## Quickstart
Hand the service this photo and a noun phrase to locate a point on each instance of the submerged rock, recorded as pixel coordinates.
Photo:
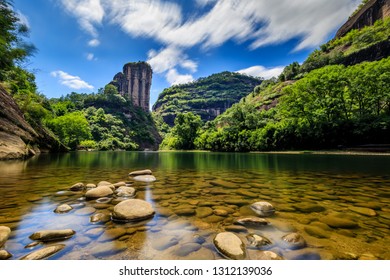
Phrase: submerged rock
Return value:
(203, 212)
(187, 249)
(230, 246)
(164, 242)
(63, 208)
(236, 228)
(77, 187)
(141, 172)
(100, 218)
(337, 222)
(251, 221)
(363, 211)
(125, 191)
(132, 210)
(258, 241)
(145, 178)
(263, 208)
(98, 192)
(293, 241)
(5, 255)
(44, 252)
(50, 235)
(264, 255)
(108, 248)
(4, 234)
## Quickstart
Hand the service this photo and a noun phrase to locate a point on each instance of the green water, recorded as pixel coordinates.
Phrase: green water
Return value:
(188, 196)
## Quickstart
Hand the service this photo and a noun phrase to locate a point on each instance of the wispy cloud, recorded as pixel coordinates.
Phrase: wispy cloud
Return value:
(255, 22)
(91, 57)
(174, 78)
(73, 82)
(262, 72)
(94, 43)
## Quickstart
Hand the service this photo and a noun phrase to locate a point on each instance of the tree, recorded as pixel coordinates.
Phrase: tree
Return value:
(71, 128)
(110, 90)
(183, 134)
(13, 49)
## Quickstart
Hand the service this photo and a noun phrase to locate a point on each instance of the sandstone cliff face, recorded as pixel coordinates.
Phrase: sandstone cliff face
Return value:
(368, 14)
(18, 139)
(134, 83)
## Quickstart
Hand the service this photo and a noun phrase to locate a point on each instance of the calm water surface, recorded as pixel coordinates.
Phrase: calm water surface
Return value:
(197, 195)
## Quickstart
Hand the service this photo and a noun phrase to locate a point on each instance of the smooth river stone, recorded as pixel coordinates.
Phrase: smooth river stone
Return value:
(108, 249)
(133, 210)
(112, 234)
(5, 255)
(141, 172)
(258, 241)
(251, 221)
(230, 246)
(236, 228)
(145, 178)
(317, 232)
(337, 222)
(293, 241)
(104, 183)
(77, 187)
(184, 211)
(49, 235)
(220, 212)
(306, 207)
(100, 218)
(125, 191)
(4, 234)
(223, 183)
(264, 255)
(120, 184)
(263, 208)
(164, 242)
(186, 249)
(85, 211)
(202, 212)
(63, 208)
(247, 193)
(91, 186)
(98, 192)
(363, 211)
(44, 252)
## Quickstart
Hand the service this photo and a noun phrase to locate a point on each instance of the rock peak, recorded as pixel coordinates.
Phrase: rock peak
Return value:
(135, 82)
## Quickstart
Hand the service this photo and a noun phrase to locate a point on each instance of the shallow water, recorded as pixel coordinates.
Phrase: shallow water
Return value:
(197, 195)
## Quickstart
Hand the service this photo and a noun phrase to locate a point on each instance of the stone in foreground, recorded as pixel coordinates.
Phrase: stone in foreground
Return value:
(50, 235)
(141, 172)
(77, 187)
(230, 246)
(263, 208)
(258, 241)
(125, 192)
(5, 255)
(145, 178)
(63, 208)
(4, 235)
(44, 252)
(99, 192)
(251, 221)
(132, 210)
(293, 241)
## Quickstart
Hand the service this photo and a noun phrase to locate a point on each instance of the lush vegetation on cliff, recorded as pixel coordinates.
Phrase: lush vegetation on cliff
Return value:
(104, 121)
(331, 107)
(206, 97)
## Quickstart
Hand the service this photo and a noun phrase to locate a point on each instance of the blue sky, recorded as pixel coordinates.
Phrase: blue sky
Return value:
(82, 44)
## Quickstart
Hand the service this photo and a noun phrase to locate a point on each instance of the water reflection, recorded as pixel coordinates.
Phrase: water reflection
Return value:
(198, 195)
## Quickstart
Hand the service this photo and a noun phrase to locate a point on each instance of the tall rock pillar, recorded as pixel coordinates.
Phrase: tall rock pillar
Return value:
(135, 83)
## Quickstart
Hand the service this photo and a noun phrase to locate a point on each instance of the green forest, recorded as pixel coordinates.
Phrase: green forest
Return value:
(320, 104)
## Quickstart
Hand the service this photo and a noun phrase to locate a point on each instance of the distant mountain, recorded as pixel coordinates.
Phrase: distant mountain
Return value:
(206, 97)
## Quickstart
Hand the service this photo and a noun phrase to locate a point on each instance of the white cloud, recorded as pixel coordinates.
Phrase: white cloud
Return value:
(94, 43)
(88, 13)
(255, 22)
(169, 58)
(73, 82)
(174, 78)
(262, 72)
(90, 56)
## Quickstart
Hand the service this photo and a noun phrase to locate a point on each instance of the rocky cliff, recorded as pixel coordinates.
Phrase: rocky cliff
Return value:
(134, 83)
(372, 11)
(18, 139)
